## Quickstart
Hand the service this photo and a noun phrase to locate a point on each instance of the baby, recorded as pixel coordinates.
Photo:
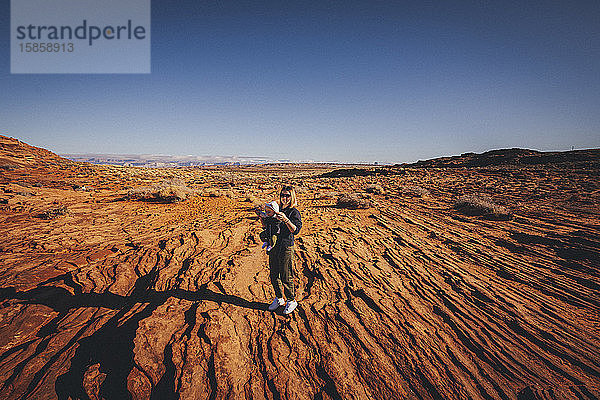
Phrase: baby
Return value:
(271, 225)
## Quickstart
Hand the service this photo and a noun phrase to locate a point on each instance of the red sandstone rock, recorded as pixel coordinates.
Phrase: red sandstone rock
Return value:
(407, 299)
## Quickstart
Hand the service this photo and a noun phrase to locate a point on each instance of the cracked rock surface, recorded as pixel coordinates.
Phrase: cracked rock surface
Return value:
(110, 298)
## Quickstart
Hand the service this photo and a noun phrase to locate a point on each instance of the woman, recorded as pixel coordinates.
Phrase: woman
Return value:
(281, 257)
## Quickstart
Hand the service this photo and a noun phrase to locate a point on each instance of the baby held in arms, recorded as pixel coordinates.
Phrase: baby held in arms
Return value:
(270, 224)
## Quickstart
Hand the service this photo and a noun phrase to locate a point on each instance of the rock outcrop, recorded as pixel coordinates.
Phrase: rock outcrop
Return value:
(116, 298)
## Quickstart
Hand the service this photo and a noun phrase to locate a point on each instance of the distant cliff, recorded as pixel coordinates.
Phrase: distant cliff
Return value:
(515, 156)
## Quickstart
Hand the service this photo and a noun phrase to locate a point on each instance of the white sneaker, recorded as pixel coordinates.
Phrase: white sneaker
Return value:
(290, 306)
(276, 304)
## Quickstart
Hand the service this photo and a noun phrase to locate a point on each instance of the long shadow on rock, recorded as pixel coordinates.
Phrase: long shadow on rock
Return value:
(61, 300)
(112, 345)
(206, 294)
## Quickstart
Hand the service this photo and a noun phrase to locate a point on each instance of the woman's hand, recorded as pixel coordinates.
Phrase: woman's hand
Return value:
(281, 217)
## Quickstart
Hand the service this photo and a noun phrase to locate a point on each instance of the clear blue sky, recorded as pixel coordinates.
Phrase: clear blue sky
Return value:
(329, 80)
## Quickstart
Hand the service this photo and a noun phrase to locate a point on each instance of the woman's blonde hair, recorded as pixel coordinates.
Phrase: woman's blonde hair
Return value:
(293, 199)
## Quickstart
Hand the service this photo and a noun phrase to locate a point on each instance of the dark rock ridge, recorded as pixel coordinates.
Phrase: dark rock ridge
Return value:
(513, 157)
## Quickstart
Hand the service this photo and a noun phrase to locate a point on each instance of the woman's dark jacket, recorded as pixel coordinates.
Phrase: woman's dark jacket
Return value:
(285, 237)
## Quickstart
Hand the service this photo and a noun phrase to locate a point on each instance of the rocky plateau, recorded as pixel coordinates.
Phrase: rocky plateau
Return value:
(104, 296)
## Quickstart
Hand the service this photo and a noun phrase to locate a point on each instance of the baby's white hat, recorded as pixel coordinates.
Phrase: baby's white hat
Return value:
(273, 205)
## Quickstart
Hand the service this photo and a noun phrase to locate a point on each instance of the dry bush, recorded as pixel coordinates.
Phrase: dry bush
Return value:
(374, 188)
(168, 192)
(352, 201)
(300, 191)
(140, 193)
(213, 193)
(473, 204)
(173, 193)
(53, 212)
(414, 191)
(250, 198)
(325, 195)
(9, 167)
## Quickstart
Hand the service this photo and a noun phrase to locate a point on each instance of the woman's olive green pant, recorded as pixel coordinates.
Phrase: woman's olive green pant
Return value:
(281, 265)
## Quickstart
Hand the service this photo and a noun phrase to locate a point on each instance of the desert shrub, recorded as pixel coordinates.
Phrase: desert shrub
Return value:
(374, 188)
(53, 212)
(325, 195)
(414, 191)
(250, 198)
(173, 193)
(213, 193)
(140, 193)
(168, 192)
(473, 204)
(352, 200)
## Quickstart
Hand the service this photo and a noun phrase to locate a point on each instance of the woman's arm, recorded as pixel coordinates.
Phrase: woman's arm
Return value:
(283, 218)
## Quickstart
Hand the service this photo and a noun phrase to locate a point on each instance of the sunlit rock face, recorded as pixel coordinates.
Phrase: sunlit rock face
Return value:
(104, 295)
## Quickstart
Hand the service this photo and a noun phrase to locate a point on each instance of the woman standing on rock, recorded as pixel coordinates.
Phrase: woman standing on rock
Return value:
(281, 257)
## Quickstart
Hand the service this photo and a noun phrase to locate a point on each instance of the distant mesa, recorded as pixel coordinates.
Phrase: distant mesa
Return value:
(162, 161)
(511, 157)
(516, 157)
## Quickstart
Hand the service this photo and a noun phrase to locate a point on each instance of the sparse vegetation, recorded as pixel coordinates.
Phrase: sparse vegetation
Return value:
(53, 212)
(167, 192)
(414, 191)
(481, 205)
(374, 188)
(325, 195)
(9, 167)
(352, 201)
(213, 193)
